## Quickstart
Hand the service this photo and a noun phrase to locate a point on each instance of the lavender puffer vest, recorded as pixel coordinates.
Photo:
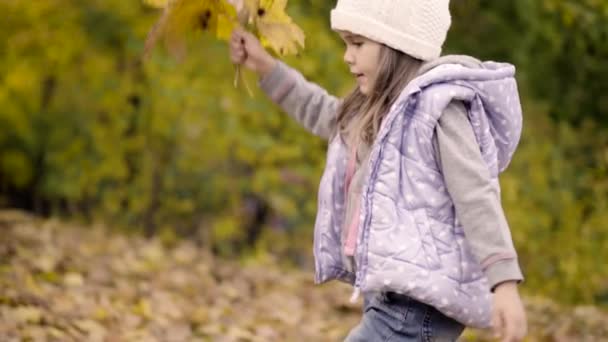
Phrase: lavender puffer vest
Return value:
(409, 240)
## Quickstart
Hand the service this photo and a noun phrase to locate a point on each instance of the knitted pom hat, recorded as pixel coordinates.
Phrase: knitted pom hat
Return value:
(415, 27)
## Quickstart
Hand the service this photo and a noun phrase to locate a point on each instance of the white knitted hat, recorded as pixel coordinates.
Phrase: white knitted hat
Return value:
(416, 27)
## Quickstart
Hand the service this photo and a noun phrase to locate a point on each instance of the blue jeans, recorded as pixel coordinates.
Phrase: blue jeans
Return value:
(389, 316)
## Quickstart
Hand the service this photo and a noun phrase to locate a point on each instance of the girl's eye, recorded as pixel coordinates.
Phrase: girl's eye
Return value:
(357, 44)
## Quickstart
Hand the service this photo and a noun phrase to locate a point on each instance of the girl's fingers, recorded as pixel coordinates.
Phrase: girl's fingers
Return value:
(235, 40)
(238, 57)
(234, 37)
(239, 35)
(497, 326)
(511, 332)
(239, 42)
(241, 56)
(235, 45)
(246, 38)
(236, 54)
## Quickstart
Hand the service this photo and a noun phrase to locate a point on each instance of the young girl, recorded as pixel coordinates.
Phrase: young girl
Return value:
(409, 207)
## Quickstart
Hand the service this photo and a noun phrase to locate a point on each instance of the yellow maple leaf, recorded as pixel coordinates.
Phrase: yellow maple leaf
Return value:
(181, 17)
(274, 27)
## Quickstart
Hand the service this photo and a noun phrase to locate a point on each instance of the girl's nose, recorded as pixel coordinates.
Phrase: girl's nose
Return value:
(348, 57)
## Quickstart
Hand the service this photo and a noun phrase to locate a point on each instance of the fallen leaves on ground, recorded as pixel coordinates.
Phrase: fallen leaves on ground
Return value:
(62, 282)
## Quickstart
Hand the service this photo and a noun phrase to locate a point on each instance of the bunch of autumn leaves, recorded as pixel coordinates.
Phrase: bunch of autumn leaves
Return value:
(264, 18)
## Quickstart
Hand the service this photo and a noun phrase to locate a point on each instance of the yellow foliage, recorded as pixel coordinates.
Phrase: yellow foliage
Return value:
(181, 17)
(156, 3)
(267, 18)
(276, 29)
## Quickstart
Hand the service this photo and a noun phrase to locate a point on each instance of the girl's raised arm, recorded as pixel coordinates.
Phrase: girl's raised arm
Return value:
(305, 101)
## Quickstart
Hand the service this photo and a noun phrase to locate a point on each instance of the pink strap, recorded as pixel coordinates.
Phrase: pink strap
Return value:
(353, 228)
(350, 170)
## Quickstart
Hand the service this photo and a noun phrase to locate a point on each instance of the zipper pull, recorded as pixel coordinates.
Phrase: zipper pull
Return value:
(356, 293)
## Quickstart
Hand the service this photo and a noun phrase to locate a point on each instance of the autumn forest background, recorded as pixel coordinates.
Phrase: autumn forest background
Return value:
(120, 175)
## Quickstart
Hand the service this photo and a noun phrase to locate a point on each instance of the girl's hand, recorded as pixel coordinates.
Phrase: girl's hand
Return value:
(246, 49)
(509, 318)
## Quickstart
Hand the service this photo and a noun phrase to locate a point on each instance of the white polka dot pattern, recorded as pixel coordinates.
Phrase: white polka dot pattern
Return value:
(409, 239)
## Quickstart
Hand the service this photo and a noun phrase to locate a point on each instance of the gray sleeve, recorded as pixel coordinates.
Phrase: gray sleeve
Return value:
(476, 197)
(305, 101)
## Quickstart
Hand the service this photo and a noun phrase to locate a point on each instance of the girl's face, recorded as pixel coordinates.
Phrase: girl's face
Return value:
(362, 57)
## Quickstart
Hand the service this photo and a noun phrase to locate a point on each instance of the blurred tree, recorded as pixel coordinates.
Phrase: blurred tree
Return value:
(88, 129)
(559, 46)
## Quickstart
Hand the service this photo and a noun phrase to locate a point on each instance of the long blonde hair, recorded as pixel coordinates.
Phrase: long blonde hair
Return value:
(360, 116)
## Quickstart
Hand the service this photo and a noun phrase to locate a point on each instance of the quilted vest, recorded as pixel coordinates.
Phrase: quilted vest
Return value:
(409, 239)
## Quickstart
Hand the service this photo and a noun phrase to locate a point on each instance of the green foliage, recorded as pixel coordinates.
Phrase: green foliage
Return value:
(557, 206)
(559, 46)
(87, 128)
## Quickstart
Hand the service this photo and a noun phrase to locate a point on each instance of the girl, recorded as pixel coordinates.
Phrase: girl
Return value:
(409, 207)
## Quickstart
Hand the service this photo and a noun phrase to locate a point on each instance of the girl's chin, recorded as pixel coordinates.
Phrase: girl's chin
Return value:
(363, 87)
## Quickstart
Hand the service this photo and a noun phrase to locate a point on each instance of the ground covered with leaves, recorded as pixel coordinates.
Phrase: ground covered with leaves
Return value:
(63, 282)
